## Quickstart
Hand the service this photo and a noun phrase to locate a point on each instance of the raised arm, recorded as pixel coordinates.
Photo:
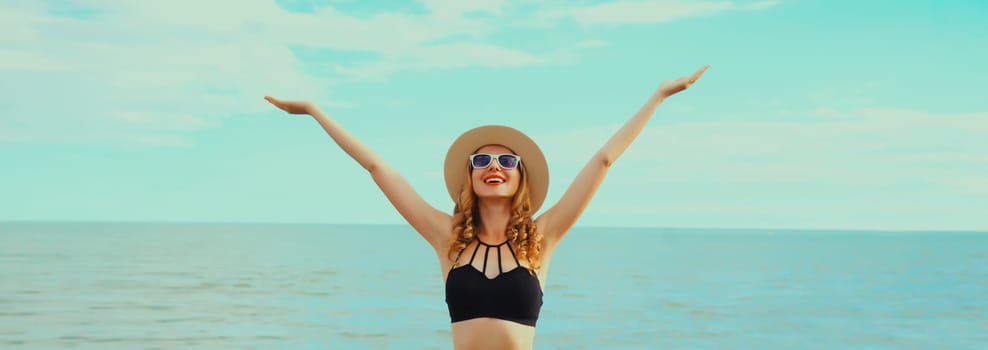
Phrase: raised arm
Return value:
(557, 220)
(433, 224)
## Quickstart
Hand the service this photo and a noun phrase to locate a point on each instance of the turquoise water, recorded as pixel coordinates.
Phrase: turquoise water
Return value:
(215, 286)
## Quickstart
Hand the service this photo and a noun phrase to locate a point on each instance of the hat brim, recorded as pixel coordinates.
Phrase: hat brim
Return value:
(457, 162)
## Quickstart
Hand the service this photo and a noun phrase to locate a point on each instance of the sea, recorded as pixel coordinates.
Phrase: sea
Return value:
(321, 286)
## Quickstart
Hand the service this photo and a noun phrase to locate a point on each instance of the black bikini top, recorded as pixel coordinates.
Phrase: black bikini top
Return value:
(515, 295)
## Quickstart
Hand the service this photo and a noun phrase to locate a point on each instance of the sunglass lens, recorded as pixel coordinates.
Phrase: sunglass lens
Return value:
(508, 161)
(481, 161)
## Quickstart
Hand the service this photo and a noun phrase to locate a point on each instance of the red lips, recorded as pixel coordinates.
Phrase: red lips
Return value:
(498, 177)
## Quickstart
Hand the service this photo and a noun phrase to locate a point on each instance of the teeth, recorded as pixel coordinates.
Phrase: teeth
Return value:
(494, 180)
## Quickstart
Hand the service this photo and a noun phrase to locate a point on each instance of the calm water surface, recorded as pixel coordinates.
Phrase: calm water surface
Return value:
(252, 286)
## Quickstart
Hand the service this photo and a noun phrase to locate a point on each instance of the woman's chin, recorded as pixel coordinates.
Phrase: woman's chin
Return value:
(494, 195)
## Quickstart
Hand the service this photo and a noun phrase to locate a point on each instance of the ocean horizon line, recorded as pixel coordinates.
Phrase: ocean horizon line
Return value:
(764, 229)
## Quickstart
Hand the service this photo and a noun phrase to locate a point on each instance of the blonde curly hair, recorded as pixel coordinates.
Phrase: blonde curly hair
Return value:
(522, 232)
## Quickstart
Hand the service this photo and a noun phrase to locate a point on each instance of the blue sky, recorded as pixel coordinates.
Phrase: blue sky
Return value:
(814, 114)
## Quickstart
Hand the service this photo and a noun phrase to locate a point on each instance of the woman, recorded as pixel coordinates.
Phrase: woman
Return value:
(494, 256)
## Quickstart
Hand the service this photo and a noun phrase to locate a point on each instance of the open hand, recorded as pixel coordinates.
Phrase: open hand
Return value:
(293, 107)
(671, 87)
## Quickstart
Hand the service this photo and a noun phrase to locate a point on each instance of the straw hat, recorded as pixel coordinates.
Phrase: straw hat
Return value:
(457, 162)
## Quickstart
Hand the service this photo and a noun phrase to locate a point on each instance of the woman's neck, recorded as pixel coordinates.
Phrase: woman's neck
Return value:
(494, 217)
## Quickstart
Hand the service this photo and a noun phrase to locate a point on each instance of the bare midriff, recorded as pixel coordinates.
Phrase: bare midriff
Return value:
(490, 333)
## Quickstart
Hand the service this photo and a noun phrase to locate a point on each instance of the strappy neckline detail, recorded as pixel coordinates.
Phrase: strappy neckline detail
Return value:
(487, 251)
(491, 245)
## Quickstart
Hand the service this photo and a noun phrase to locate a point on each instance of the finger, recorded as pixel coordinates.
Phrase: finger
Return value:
(699, 73)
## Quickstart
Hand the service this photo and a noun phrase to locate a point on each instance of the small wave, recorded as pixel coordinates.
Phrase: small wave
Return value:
(870, 339)
(159, 307)
(355, 335)
(556, 287)
(710, 335)
(140, 340)
(426, 292)
(705, 313)
(12, 332)
(18, 313)
(169, 273)
(175, 320)
(269, 337)
(317, 294)
(326, 272)
(388, 311)
(675, 304)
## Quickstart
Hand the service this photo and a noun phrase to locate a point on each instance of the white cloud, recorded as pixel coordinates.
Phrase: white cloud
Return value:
(645, 11)
(183, 61)
(880, 167)
(974, 185)
(142, 59)
(590, 44)
(864, 147)
(160, 121)
(179, 66)
(545, 14)
(29, 61)
(446, 56)
(457, 9)
(763, 4)
(19, 21)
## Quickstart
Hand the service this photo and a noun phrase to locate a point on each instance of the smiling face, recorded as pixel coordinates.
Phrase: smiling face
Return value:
(495, 181)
